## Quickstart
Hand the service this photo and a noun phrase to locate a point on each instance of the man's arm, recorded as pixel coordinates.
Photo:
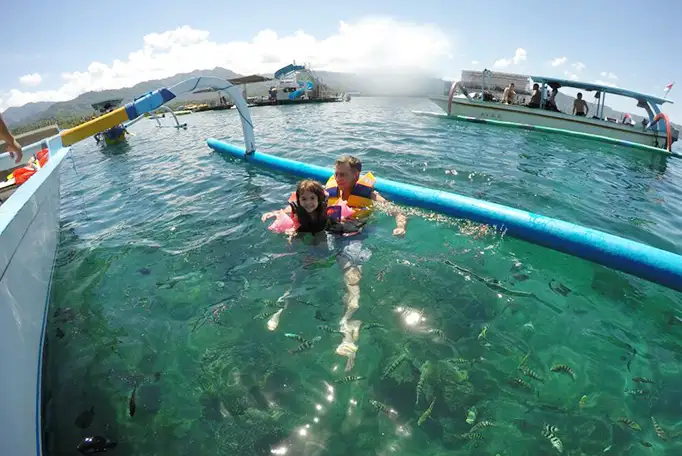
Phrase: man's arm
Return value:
(574, 102)
(400, 218)
(13, 146)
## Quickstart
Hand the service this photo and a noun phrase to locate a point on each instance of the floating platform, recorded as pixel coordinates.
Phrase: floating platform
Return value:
(213, 108)
(296, 101)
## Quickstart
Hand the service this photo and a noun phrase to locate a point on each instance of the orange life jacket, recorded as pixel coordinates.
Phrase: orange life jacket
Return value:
(360, 197)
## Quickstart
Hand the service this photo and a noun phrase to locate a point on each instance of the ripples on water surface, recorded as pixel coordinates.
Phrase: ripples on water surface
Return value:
(163, 264)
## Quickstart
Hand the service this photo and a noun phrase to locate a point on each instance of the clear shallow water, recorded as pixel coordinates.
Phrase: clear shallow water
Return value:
(163, 264)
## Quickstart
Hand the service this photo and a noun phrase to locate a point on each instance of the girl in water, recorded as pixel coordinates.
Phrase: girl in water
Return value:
(307, 212)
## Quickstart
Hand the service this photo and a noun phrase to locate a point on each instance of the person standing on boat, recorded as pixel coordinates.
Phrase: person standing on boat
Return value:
(580, 106)
(11, 144)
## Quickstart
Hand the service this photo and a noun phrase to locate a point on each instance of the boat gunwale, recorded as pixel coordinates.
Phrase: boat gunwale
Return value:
(549, 114)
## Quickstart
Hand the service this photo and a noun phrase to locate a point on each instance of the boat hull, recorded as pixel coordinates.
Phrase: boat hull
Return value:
(557, 120)
(29, 233)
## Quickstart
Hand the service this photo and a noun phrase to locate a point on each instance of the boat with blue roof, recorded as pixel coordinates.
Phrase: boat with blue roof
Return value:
(655, 132)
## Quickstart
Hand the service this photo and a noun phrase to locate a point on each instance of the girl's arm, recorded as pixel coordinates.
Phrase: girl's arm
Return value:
(271, 214)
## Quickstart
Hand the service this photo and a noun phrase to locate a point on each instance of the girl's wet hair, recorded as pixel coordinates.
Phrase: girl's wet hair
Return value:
(308, 225)
(309, 185)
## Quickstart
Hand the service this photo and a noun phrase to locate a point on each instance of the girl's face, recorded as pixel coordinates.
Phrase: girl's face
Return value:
(308, 201)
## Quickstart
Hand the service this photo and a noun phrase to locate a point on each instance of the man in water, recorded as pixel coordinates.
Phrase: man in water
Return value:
(358, 192)
(580, 106)
(346, 176)
(13, 147)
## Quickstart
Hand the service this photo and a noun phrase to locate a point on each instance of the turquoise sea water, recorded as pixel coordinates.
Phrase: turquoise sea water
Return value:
(164, 263)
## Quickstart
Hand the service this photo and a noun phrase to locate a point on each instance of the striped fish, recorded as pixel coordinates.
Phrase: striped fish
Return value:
(296, 337)
(328, 329)
(472, 436)
(549, 432)
(565, 369)
(383, 408)
(642, 380)
(629, 423)
(530, 373)
(659, 432)
(349, 379)
(427, 413)
(437, 332)
(373, 325)
(305, 345)
(264, 315)
(423, 377)
(394, 365)
(458, 361)
(520, 383)
(481, 425)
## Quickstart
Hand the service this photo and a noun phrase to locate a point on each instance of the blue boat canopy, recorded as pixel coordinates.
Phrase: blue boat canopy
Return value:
(556, 83)
(288, 69)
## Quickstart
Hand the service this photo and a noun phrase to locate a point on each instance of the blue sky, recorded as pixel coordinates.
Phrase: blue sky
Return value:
(607, 41)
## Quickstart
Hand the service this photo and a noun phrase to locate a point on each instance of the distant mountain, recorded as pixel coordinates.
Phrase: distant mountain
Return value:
(82, 105)
(18, 115)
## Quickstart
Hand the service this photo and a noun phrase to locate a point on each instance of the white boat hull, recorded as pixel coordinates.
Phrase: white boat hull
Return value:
(529, 116)
(29, 233)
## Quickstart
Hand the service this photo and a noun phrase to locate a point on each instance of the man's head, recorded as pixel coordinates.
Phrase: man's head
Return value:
(580, 96)
(347, 171)
(535, 86)
(511, 86)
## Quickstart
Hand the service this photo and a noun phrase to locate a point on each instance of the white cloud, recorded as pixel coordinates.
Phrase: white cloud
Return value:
(578, 66)
(608, 75)
(570, 75)
(559, 61)
(31, 80)
(475, 62)
(605, 83)
(519, 56)
(375, 43)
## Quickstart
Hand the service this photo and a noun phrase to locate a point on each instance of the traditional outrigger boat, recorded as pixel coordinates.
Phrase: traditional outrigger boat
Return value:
(29, 233)
(656, 134)
(117, 133)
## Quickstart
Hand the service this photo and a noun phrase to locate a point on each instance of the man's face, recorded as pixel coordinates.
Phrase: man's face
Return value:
(345, 175)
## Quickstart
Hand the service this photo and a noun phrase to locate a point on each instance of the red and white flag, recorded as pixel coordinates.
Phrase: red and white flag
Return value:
(668, 87)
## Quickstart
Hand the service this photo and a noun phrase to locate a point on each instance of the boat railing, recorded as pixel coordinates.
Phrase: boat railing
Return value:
(668, 129)
(457, 85)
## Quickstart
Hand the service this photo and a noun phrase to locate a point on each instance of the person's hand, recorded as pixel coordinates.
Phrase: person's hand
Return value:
(14, 149)
(399, 231)
(268, 215)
